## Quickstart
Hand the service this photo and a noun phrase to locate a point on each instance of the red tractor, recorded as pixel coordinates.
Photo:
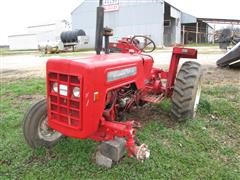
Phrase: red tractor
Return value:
(87, 98)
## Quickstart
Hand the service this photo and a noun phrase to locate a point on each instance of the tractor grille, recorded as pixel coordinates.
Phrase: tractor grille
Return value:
(65, 109)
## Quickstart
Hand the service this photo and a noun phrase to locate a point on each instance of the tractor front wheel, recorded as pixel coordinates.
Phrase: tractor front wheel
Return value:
(186, 92)
(36, 131)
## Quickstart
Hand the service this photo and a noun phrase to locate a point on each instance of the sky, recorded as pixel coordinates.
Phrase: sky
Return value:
(16, 15)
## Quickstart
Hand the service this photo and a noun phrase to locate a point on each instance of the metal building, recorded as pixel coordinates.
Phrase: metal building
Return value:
(154, 18)
(195, 30)
(22, 41)
(36, 35)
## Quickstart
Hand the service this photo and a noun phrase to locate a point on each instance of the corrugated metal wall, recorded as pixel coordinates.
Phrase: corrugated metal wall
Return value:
(172, 29)
(22, 42)
(37, 35)
(133, 17)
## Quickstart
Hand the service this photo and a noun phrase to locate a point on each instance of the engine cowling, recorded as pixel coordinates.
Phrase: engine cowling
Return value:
(77, 88)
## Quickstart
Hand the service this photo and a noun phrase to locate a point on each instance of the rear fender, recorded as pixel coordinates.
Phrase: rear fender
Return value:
(185, 52)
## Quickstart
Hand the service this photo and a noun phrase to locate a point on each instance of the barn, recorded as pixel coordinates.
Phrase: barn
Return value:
(154, 18)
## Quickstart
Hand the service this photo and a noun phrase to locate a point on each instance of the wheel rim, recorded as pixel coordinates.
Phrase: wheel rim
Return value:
(197, 99)
(45, 132)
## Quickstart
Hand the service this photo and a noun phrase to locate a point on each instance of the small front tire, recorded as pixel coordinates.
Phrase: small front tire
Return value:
(36, 131)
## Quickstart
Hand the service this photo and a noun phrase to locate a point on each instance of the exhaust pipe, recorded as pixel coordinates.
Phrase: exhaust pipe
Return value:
(99, 28)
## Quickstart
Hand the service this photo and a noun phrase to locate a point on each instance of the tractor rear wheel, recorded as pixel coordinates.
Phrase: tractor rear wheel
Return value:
(36, 131)
(186, 92)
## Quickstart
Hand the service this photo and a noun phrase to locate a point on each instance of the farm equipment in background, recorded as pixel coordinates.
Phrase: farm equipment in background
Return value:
(88, 98)
(231, 58)
(227, 38)
(138, 43)
(66, 41)
(74, 39)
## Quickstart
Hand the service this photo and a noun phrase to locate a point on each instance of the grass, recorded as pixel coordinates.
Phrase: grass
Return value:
(7, 52)
(204, 148)
(85, 52)
(201, 45)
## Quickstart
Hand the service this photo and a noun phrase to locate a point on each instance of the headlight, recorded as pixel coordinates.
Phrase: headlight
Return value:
(76, 92)
(55, 87)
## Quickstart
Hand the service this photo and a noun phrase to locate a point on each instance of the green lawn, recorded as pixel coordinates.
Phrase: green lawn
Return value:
(7, 52)
(84, 52)
(202, 45)
(205, 148)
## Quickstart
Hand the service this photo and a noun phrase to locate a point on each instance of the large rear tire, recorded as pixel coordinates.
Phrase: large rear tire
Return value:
(186, 92)
(36, 131)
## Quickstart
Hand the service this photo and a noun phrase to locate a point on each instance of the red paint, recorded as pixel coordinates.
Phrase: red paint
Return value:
(125, 45)
(89, 115)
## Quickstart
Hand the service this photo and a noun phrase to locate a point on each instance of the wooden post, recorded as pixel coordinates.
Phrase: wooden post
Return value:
(214, 31)
(232, 29)
(183, 40)
(196, 32)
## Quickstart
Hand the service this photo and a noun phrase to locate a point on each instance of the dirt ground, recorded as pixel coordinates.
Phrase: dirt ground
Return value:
(22, 66)
(217, 76)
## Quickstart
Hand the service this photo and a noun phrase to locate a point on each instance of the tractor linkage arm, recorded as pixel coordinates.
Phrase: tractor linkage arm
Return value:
(108, 130)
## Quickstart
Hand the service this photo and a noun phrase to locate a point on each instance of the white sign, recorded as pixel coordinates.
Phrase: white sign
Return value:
(111, 5)
(63, 90)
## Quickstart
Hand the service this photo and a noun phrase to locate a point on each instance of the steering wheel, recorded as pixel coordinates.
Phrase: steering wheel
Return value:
(147, 43)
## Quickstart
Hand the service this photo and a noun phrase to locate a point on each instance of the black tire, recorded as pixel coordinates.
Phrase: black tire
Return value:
(186, 92)
(34, 123)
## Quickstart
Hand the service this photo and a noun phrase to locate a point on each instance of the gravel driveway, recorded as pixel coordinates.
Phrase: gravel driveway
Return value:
(17, 66)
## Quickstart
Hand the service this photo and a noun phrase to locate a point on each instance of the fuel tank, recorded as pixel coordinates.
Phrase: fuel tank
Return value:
(90, 78)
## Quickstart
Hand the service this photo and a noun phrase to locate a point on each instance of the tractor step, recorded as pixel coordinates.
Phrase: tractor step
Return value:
(152, 98)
